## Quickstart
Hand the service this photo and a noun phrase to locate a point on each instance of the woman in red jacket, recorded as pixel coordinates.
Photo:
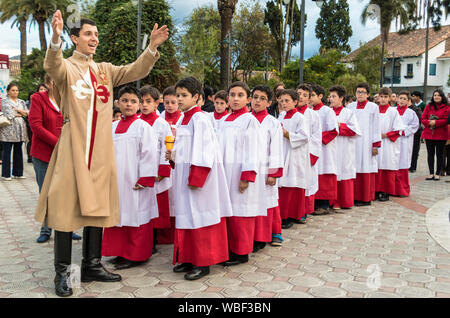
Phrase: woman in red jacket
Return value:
(46, 122)
(435, 133)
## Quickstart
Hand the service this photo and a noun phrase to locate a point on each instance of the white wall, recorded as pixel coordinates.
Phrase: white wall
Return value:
(4, 81)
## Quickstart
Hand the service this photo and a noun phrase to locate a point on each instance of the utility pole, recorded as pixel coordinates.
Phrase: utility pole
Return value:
(302, 44)
(139, 41)
(425, 78)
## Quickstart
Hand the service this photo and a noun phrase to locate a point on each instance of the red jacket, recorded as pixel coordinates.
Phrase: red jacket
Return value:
(46, 123)
(440, 132)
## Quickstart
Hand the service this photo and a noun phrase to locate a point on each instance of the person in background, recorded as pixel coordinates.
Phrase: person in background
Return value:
(117, 114)
(349, 99)
(393, 100)
(435, 132)
(274, 108)
(160, 108)
(13, 135)
(417, 106)
(46, 122)
(209, 100)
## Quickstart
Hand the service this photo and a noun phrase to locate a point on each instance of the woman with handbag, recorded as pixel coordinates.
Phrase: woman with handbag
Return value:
(13, 135)
(435, 132)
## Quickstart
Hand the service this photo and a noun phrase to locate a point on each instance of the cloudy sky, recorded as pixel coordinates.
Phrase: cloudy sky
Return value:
(181, 9)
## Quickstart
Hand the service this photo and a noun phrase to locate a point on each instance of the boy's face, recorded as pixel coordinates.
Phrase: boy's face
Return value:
(303, 97)
(335, 100)
(238, 98)
(117, 116)
(220, 105)
(361, 94)
(315, 99)
(148, 105)
(287, 103)
(260, 101)
(185, 99)
(170, 103)
(402, 100)
(128, 104)
(394, 98)
(201, 101)
(383, 99)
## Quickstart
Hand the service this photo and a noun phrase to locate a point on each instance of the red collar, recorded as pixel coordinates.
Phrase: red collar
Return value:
(401, 109)
(361, 105)
(318, 106)
(302, 109)
(383, 108)
(218, 116)
(236, 113)
(172, 118)
(261, 115)
(290, 113)
(125, 123)
(338, 110)
(188, 114)
(150, 118)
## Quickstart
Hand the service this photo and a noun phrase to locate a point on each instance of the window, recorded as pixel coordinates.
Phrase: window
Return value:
(432, 69)
(409, 71)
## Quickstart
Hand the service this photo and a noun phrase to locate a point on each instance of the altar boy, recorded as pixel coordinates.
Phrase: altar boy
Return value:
(135, 144)
(201, 196)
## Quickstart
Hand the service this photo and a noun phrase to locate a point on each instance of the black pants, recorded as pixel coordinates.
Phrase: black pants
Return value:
(17, 164)
(446, 166)
(415, 152)
(435, 148)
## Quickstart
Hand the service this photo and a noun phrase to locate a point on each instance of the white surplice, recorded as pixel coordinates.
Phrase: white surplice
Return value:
(136, 157)
(326, 163)
(411, 123)
(389, 153)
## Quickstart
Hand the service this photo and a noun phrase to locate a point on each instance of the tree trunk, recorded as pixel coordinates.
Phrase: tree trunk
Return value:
(382, 61)
(42, 40)
(226, 10)
(23, 40)
(289, 48)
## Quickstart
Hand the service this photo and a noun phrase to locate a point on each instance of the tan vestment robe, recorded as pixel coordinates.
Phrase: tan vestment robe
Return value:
(80, 186)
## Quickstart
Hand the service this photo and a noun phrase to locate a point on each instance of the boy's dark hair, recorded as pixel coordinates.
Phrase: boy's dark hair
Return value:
(305, 87)
(365, 86)
(350, 98)
(318, 89)
(116, 110)
(221, 95)
(405, 92)
(417, 93)
(169, 91)
(202, 94)
(291, 92)
(243, 85)
(209, 91)
(79, 25)
(385, 91)
(192, 85)
(129, 90)
(339, 89)
(264, 88)
(150, 90)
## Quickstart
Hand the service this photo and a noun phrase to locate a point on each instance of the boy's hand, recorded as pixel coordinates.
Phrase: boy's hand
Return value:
(193, 187)
(168, 155)
(285, 133)
(374, 151)
(271, 181)
(243, 185)
(160, 178)
(137, 186)
(57, 26)
(383, 135)
(158, 36)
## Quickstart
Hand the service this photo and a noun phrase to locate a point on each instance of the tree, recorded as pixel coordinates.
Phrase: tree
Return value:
(41, 11)
(278, 21)
(32, 73)
(387, 11)
(333, 26)
(350, 82)
(367, 62)
(118, 36)
(9, 9)
(198, 48)
(226, 11)
(252, 38)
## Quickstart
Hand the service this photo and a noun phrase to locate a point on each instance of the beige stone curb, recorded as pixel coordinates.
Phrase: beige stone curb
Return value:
(438, 222)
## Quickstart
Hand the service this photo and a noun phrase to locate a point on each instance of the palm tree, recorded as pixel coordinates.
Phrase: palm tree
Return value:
(388, 11)
(9, 9)
(226, 10)
(41, 11)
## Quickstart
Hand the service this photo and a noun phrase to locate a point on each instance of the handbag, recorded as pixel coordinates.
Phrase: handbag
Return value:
(4, 121)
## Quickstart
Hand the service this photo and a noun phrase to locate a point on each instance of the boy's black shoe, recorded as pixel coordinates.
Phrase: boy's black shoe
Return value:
(127, 264)
(258, 246)
(362, 203)
(236, 260)
(184, 267)
(197, 272)
(286, 224)
(383, 197)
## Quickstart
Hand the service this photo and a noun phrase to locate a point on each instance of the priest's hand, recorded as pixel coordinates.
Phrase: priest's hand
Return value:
(243, 185)
(57, 26)
(374, 151)
(158, 36)
(271, 181)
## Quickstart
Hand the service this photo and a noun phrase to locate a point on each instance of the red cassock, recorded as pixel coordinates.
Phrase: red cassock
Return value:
(292, 203)
(365, 186)
(402, 187)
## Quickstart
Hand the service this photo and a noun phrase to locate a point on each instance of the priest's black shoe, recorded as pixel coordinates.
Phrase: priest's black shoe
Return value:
(183, 267)
(125, 263)
(62, 288)
(63, 253)
(197, 272)
(236, 260)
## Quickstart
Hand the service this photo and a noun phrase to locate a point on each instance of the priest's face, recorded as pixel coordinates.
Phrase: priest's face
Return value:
(87, 42)
(185, 99)
(260, 101)
(238, 98)
(148, 105)
(129, 104)
(335, 100)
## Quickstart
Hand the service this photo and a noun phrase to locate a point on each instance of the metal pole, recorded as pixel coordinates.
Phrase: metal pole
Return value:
(392, 71)
(229, 58)
(425, 79)
(302, 44)
(139, 41)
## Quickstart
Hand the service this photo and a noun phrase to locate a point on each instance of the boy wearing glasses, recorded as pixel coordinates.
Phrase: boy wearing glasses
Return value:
(368, 116)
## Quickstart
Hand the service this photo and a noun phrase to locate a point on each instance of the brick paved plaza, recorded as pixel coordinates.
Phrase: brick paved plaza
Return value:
(399, 248)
